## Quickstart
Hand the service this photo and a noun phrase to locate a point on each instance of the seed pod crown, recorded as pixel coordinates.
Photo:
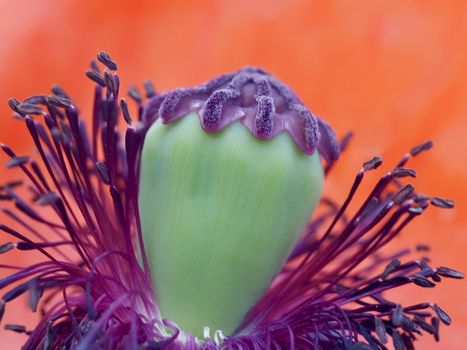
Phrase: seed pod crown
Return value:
(262, 103)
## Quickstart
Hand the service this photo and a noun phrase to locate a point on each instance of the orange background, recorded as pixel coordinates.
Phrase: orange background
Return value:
(395, 73)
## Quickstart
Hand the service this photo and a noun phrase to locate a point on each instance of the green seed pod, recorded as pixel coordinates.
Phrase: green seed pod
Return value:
(225, 194)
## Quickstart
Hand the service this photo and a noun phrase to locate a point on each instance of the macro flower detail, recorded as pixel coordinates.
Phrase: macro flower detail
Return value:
(81, 207)
(230, 203)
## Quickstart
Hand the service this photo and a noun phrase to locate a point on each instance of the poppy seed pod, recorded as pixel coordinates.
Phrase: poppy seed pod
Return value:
(225, 193)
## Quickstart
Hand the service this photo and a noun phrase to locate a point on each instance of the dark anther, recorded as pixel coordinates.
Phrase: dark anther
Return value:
(25, 246)
(14, 104)
(48, 198)
(425, 266)
(344, 142)
(397, 316)
(403, 193)
(442, 203)
(402, 172)
(424, 325)
(420, 148)
(426, 259)
(149, 87)
(134, 94)
(339, 288)
(94, 66)
(397, 341)
(105, 59)
(95, 77)
(103, 172)
(17, 161)
(380, 330)
(390, 268)
(443, 316)
(6, 247)
(5, 197)
(368, 209)
(408, 325)
(36, 100)
(126, 113)
(422, 281)
(59, 101)
(435, 324)
(373, 163)
(27, 108)
(12, 184)
(35, 294)
(416, 210)
(109, 82)
(449, 273)
(420, 306)
(15, 328)
(408, 342)
(422, 248)
(57, 90)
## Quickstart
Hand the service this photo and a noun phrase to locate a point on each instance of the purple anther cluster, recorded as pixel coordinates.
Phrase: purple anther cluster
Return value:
(259, 101)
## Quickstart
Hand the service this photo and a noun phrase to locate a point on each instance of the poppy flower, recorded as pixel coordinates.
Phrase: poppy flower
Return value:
(188, 228)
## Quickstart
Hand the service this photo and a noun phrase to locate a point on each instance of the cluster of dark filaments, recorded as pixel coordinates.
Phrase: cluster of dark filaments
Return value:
(78, 208)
